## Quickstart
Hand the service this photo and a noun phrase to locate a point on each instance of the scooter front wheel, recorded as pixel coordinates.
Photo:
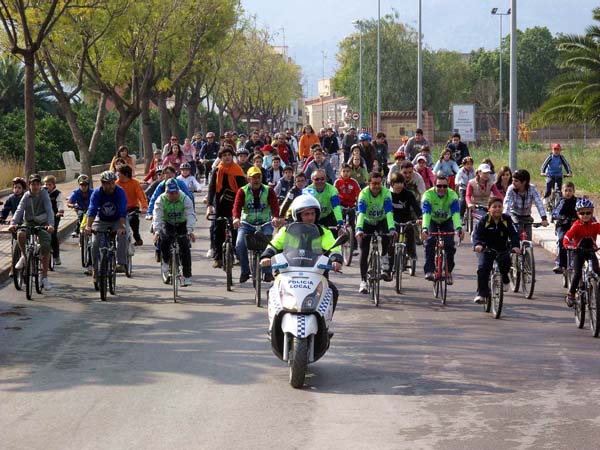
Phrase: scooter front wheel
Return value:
(298, 362)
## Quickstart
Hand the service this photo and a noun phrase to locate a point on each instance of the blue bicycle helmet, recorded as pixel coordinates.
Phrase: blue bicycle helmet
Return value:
(584, 203)
(364, 137)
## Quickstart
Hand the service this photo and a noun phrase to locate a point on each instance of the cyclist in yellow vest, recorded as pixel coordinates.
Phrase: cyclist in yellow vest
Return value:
(255, 204)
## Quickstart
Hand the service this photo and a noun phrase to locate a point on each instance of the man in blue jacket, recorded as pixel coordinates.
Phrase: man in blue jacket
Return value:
(108, 211)
(169, 172)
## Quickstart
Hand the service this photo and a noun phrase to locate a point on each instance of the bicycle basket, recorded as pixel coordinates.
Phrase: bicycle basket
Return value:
(257, 241)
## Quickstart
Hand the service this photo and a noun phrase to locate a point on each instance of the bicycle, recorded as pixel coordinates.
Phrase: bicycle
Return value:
(175, 274)
(554, 198)
(587, 294)
(106, 277)
(567, 274)
(494, 301)
(374, 266)
(31, 272)
(441, 274)
(130, 243)
(256, 243)
(348, 247)
(401, 258)
(473, 216)
(228, 252)
(522, 272)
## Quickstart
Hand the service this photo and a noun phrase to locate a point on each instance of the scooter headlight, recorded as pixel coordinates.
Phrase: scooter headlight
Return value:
(288, 300)
(312, 300)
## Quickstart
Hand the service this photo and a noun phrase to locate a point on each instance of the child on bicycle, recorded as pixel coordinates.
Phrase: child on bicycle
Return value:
(348, 189)
(564, 215)
(582, 236)
(552, 169)
(19, 186)
(465, 174)
(80, 200)
(406, 208)
(494, 231)
(56, 197)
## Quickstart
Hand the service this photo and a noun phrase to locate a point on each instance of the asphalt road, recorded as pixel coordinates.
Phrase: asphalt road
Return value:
(140, 372)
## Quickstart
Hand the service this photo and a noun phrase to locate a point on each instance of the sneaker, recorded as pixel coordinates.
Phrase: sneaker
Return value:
(187, 281)
(88, 271)
(449, 281)
(570, 300)
(268, 278)
(74, 234)
(94, 276)
(45, 284)
(57, 261)
(429, 276)
(244, 277)
(210, 253)
(558, 270)
(386, 275)
(363, 289)
(505, 279)
(21, 263)
(479, 299)
(217, 264)
(164, 267)
(139, 242)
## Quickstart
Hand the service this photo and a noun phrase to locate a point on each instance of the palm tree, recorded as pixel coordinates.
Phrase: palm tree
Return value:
(12, 87)
(575, 94)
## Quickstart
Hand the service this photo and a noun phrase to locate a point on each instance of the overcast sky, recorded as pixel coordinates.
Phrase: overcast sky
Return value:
(312, 26)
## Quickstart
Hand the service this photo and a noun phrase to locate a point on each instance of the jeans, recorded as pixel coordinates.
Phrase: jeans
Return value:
(122, 245)
(550, 180)
(54, 241)
(486, 263)
(166, 237)
(561, 258)
(462, 194)
(241, 249)
(430, 246)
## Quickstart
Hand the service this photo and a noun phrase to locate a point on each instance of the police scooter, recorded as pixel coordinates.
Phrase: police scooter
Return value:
(300, 300)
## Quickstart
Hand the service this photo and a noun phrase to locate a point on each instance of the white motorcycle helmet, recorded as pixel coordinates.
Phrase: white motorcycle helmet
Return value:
(305, 201)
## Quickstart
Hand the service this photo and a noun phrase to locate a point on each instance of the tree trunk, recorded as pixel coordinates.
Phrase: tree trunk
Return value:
(29, 114)
(192, 111)
(164, 119)
(174, 123)
(146, 132)
(126, 118)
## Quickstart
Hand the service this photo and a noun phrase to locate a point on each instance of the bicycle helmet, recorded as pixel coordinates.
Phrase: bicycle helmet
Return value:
(467, 159)
(107, 176)
(303, 202)
(185, 165)
(243, 151)
(556, 146)
(584, 203)
(364, 137)
(83, 178)
(158, 170)
(21, 181)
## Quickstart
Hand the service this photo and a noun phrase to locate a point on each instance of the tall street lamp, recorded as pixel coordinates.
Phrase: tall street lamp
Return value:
(360, 115)
(419, 75)
(378, 66)
(500, 14)
(513, 87)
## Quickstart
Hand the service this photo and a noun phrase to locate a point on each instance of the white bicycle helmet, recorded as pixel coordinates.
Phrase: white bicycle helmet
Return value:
(108, 176)
(302, 202)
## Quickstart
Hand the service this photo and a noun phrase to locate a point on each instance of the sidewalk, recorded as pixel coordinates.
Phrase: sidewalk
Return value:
(65, 228)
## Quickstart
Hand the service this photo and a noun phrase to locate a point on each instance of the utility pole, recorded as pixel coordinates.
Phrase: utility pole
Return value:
(513, 87)
(420, 76)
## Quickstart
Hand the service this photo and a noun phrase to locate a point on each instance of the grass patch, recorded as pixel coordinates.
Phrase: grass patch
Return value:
(11, 168)
(585, 163)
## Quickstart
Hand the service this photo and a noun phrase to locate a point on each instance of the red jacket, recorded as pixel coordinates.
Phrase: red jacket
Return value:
(283, 150)
(428, 177)
(348, 191)
(579, 231)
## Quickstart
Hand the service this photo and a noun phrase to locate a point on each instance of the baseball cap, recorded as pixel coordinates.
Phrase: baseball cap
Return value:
(485, 168)
(35, 177)
(171, 185)
(422, 158)
(254, 171)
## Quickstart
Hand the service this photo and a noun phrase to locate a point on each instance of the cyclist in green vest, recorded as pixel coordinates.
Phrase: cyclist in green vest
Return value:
(174, 218)
(441, 213)
(329, 199)
(375, 213)
(255, 204)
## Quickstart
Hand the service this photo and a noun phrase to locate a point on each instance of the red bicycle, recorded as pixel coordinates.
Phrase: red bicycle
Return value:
(441, 274)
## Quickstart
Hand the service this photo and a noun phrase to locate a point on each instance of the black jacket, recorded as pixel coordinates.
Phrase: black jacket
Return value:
(500, 236)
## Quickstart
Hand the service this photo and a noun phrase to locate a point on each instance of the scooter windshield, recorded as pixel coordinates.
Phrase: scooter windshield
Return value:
(302, 246)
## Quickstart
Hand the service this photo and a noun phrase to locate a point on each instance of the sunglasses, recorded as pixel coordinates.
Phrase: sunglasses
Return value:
(318, 179)
(584, 213)
(441, 186)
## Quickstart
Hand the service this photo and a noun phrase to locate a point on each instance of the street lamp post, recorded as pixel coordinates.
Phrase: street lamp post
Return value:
(496, 13)
(513, 87)
(378, 66)
(360, 115)
(419, 75)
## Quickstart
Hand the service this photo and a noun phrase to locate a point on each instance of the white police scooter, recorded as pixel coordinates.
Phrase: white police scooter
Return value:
(301, 301)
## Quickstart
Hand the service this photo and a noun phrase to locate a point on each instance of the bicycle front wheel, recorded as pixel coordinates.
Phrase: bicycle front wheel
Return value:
(497, 295)
(36, 272)
(594, 307)
(348, 247)
(444, 280)
(398, 268)
(579, 309)
(29, 275)
(103, 276)
(376, 278)
(175, 274)
(514, 273)
(82, 249)
(228, 256)
(112, 275)
(257, 278)
(528, 275)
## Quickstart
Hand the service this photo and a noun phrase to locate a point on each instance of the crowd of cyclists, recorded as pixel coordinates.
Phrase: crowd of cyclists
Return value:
(261, 181)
